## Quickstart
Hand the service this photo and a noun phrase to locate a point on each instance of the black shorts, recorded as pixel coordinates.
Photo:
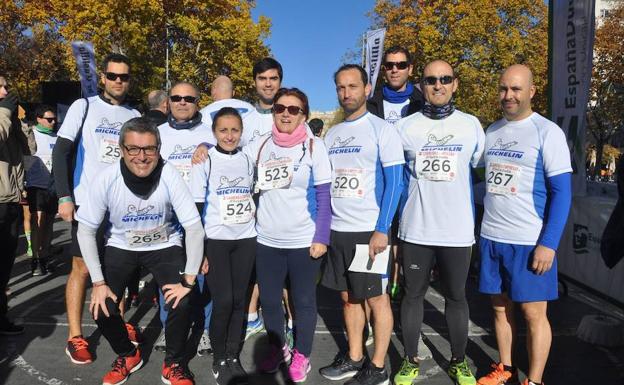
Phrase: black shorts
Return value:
(336, 274)
(74, 248)
(40, 199)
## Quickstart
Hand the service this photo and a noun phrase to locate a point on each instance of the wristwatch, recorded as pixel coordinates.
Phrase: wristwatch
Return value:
(186, 284)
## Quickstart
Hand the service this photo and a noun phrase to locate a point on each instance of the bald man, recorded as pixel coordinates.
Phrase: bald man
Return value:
(158, 104)
(527, 201)
(222, 93)
(442, 145)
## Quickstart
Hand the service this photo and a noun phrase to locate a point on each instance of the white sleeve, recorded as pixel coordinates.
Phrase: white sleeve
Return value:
(89, 249)
(478, 153)
(321, 167)
(390, 146)
(71, 124)
(181, 198)
(92, 212)
(251, 150)
(199, 180)
(555, 152)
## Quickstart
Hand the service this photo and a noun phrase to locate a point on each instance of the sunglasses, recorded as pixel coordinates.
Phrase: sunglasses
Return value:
(148, 151)
(178, 98)
(50, 120)
(401, 65)
(293, 110)
(432, 80)
(112, 76)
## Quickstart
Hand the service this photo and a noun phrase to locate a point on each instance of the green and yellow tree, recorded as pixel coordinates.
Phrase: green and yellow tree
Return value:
(204, 38)
(479, 38)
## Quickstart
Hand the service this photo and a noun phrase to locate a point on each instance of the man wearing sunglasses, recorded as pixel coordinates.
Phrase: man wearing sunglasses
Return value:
(11, 187)
(181, 134)
(87, 144)
(398, 97)
(41, 197)
(442, 145)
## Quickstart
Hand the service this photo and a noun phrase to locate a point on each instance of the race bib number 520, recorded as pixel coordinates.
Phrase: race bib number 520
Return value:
(348, 183)
(503, 178)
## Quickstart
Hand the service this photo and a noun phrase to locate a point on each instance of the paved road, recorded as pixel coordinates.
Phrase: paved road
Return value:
(37, 357)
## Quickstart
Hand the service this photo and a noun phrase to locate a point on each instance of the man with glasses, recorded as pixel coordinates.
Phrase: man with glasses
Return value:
(367, 162)
(148, 206)
(11, 187)
(442, 145)
(41, 197)
(181, 134)
(398, 97)
(88, 143)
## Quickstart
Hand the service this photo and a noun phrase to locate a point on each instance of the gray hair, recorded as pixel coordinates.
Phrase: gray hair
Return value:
(140, 125)
(155, 98)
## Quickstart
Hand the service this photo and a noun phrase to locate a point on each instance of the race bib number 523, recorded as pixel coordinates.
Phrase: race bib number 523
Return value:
(274, 174)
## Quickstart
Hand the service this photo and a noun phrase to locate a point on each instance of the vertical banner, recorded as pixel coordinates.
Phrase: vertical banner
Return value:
(85, 61)
(570, 65)
(374, 54)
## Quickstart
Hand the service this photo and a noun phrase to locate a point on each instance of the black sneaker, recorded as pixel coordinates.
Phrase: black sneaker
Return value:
(221, 372)
(370, 375)
(46, 266)
(239, 375)
(36, 268)
(342, 367)
(10, 329)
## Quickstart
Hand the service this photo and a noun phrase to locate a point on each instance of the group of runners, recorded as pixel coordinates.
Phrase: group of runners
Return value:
(212, 202)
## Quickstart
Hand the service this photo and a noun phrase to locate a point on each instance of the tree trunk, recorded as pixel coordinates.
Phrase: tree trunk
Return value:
(599, 149)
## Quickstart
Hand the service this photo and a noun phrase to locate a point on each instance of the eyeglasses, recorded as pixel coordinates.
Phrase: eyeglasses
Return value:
(432, 80)
(293, 110)
(50, 120)
(178, 98)
(148, 151)
(401, 65)
(112, 76)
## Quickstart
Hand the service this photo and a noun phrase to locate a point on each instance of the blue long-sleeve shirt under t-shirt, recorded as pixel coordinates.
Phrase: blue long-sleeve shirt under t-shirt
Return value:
(393, 188)
(560, 199)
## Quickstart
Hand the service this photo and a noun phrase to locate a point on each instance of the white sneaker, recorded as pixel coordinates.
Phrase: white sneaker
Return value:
(204, 346)
(161, 343)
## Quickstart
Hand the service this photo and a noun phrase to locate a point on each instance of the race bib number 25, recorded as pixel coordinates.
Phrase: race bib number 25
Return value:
(109, 151)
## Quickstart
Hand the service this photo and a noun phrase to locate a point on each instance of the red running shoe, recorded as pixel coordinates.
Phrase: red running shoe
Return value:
(78, 351)
(176, 374)
(122, 367)
(134, 334)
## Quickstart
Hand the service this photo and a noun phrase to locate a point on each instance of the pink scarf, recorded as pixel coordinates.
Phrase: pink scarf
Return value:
(283, 139)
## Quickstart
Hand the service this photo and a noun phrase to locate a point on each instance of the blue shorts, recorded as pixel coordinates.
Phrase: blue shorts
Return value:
(506, 268)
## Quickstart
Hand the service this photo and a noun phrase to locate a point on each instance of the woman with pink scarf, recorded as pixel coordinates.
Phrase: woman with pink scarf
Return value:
(293, 224)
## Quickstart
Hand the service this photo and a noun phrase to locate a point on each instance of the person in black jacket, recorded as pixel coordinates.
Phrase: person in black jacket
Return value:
(398, 97)
(158, 104)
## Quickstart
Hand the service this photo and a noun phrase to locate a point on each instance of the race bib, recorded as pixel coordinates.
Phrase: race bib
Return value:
(109, 151)
(142, 238)
(348, 183)
(503, 178)
(275, 173)
(236, 209)
(185, 171)
(436, 165)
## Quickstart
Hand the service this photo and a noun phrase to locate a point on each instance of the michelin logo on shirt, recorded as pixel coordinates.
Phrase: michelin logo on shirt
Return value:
(105, 127)
(140, 215)
(227, 186)
(342, 146)
(503, 149)
(435, 144)
(182, 153)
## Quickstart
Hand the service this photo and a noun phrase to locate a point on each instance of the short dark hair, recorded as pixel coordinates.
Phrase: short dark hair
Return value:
(140, 125)
(398, 49)
(226, 111)
(115, 58)
(296, 92)
(347, 67)
(268, 63)
(42, 109)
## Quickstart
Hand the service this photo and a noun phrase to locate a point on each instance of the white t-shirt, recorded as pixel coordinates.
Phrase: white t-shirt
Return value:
(519, 156)
(395, 111)
(224, 184)
(99, 143)
(358, 150)
(439, 210)
(286, 213)
(45, 145)
(246, 111)
(178, 146)
(256, 124)
(138, 224)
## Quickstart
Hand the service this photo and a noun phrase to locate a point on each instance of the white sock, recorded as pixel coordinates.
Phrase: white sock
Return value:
(290, 323)
(251, 317)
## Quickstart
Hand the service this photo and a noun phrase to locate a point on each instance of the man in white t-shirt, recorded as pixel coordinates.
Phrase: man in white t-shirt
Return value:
(87, 143)
(267, 75)
(149, 207)
(222, 93)
(367, 162)
(527, 201)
